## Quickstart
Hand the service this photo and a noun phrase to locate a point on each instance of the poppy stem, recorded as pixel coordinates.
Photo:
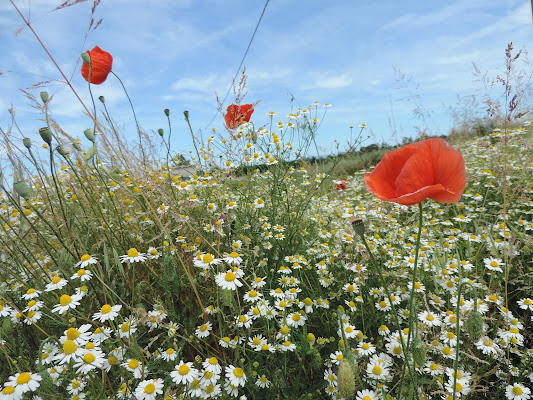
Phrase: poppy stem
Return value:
(134, 117)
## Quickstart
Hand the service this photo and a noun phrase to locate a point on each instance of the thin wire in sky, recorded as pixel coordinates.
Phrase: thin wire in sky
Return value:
(242, 62)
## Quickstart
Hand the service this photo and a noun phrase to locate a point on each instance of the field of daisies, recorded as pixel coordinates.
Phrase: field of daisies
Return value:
(246, 275)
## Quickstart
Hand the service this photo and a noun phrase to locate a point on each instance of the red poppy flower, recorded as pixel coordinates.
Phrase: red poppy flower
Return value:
(236, 115)
(427, 169)
(342, 185)
(101, 62)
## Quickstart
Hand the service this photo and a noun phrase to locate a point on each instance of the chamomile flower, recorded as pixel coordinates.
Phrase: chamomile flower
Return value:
(377, 369)
(86, 260)
(56, 283)
(366, 349)
(204, 330)
(262, 382)
(525, 304)
(233, 258)
(10, 393)
(517, 392)
(107, 313)
(430, 319)
(127, 328)
(133, 256)
(83, 274)
(93, 358)
(149, 389)
(212, 365)
(66, 303)
(24, 382)
(366, 394)
(235, 376)
(228, 280)
(31, 293)
(135, 366)
(184, 373)
(206, 260)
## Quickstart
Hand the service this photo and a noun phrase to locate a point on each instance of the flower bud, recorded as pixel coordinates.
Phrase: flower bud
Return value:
(227, 297)
(89, 134)
(46, 134)
(76, 146)
(167, 112)
(161, 132)
(186, 114)
(86, 58)
(359, 227)
(27, 142)
(346, 380)
(44, 97)
(419, 352)
(63, 150)
(7, 326)
(474, 325)
(22, 189)
(101, 98)
(89, 154)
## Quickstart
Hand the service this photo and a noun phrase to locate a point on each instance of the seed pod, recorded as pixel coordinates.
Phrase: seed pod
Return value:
(22, 189)
(63, 150)
(44, 97)
(27, 142)
(89, 154)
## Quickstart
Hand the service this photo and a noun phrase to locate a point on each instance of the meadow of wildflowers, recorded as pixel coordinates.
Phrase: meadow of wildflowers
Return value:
(121, 280)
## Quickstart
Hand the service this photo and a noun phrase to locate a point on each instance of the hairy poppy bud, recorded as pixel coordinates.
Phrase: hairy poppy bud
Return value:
(64, 151)
(86, 58)
(22, 189)
(27, 142)
(419, 352)
(89, 134)
(102, 99)
(44, 97)
(346, 380)
(161, 132)
(359, 227)
(46, 134)
(474, 325)
(90, 153)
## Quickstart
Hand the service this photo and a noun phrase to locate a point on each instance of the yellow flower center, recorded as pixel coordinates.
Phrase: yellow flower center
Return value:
(133, 363)
(183, 369)
(89, 358)
(106, 309)
(150, 388)
(238, 372)
(230, 277)
(69, 347)
(81, 272)
(8, 390)
(213, 361)
(23, 378)
(85, 257)
(517, 390)
(208, 258)
(376, 370)
(56, 280)
(65, 300)
(234, 254)
(133, 252)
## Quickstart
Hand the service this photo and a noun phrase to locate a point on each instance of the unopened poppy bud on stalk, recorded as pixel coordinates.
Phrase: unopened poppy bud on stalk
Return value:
(89, 134)
(359, 227)
(22, 189)
(102, 99)
(161, 132)
(86, 58)
(186, 114)
(46, 134)
(166, 111)
(474, 325)
(346, 380)
(27, 142)
(64, 151)
(44, 97)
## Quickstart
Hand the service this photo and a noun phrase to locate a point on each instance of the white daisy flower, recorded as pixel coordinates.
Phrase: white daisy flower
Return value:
(24, 382)
(92, 359)
(203, 330)
(83, 274)
(148, 390)
(66, 303)
(133, 256)
(107, 312)
(235, 376)
(56, 283)
(31, 293)
(135, 366)
(228, 280)
(184, 373)
(212, 365)
(206, 260)
(86, 260)
(366, 394)
(517, 392)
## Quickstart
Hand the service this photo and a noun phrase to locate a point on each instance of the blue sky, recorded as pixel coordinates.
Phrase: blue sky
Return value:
(177, 54)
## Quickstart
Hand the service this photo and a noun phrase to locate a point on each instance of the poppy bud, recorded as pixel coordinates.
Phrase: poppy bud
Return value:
(161, 132)
(27, 142)
(101, 98)
(22, 189)
(346, 380)
(76, 146)
(89, 134)
(359, 227)
(186, 114)
(227, 297)
(167, 112)
(44, 97)
(474, 325)
(86, 58)
(46, 134)
(63, 150)
(90, 153)
(419, 352)
(7, 326)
